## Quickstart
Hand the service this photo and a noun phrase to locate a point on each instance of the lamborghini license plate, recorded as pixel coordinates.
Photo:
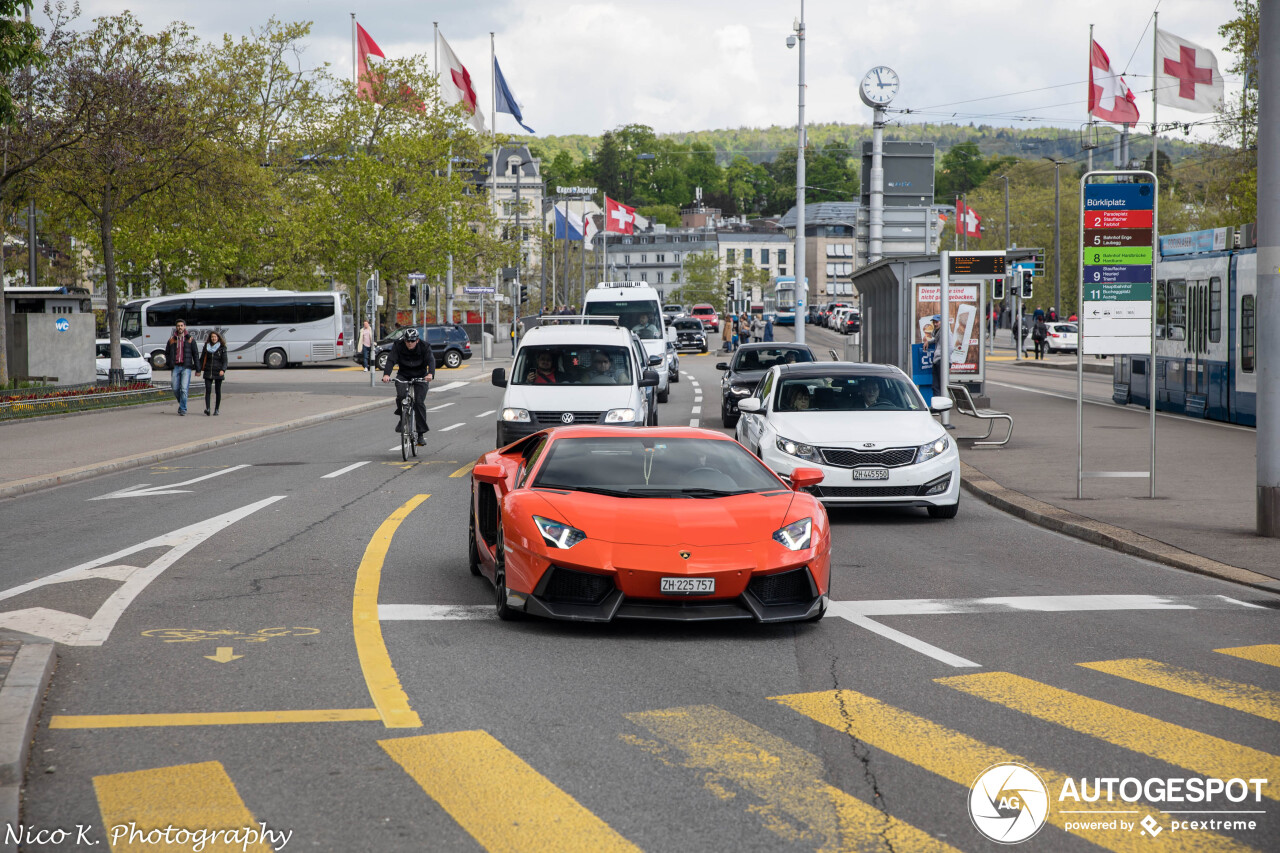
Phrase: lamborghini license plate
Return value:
(688, 586)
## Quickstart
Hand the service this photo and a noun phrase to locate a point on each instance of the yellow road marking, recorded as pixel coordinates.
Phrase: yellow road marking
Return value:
(1268, 654)
(493, 794)
(346, 369)
(1229, 694)
(798, 804)
(188, 796)
(384, 686)
(959, 758)
(1201, 753)
(464, 470)
(215, 718)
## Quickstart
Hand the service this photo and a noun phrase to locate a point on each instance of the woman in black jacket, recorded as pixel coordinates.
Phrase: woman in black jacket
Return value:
(213, 363)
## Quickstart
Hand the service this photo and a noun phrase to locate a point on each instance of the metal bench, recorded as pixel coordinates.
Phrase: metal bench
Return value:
(965, 406)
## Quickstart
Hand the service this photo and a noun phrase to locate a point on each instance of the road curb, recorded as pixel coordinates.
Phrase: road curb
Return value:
(20, 701)
(1106, 535)
(71, 475)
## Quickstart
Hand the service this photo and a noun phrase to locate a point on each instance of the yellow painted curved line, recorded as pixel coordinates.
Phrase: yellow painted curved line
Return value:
(384, 685)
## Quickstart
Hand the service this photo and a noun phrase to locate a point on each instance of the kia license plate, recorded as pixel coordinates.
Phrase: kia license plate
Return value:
(688, 586)
(870, 473)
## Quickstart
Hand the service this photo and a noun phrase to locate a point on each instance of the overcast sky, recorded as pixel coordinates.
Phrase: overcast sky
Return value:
(585, 67)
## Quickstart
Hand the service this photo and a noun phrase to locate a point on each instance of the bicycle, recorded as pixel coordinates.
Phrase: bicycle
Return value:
(408, 421)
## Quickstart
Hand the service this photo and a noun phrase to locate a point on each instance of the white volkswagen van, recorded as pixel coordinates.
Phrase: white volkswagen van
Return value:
(566, 373)
(636, 306)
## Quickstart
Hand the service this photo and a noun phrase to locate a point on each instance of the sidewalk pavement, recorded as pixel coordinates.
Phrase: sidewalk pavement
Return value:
(1202, 518)
(41, 452)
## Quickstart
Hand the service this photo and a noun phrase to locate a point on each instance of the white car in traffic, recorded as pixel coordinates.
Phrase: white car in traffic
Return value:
(1062, 337)
(867, 428)
(136, 368)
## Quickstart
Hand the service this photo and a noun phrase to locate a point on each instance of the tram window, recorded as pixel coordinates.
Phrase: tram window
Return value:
(1248, 334)
(1177, 307)
(1161, 309)
(1215, 310)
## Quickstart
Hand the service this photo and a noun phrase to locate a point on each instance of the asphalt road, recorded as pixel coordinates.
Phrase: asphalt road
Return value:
(862, 732)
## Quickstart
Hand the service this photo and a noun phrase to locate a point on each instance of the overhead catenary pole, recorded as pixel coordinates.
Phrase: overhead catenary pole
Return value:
(1268, 269)
(1088, 115)
(802, 280)
(875, 219)
(1155, 77)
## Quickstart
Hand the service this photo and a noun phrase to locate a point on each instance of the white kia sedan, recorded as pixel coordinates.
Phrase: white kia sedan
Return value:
(865, 425)
(136, 368)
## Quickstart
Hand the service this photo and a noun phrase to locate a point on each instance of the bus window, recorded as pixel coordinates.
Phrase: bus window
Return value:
(1248, 333)
(1177, 301)
(1215, 310)
(313, 308)
(131, 323)
(1161, 309)
(165, 315)
(219, 313)
(272, 311)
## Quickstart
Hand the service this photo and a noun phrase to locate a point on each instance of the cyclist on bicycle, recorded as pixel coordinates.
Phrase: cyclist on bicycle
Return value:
(416, 361)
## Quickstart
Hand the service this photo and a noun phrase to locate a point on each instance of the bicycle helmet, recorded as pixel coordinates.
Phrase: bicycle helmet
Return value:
(411, 335)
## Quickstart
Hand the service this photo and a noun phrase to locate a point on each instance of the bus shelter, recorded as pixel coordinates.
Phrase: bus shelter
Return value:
(899, 297)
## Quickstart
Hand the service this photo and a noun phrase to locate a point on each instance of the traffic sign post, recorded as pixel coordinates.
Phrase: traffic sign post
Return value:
(1116, 293)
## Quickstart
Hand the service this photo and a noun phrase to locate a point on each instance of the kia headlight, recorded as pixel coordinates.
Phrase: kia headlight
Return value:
(927, 451)
(557, 534)
(620, 416)
(520, 416)
(807, 452)
(795, 536)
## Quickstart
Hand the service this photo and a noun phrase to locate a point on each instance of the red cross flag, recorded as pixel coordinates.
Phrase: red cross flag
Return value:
(366, 79)
(1186, 75)
(1109, 96)
(619, 218)
(456, 86)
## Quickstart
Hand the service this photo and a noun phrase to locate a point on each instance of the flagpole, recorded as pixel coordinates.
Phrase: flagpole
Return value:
(1089, 98)
(355, 69)
(1155, 79)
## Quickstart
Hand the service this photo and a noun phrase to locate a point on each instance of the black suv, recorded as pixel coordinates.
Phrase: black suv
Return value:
(750, 363)
(449, 344)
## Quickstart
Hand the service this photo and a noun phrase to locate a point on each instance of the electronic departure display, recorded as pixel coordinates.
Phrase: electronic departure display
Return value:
(977, 265)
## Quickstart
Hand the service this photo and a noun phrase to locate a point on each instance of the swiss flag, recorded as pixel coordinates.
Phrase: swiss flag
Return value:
(366, 79)
(619, 218)
(968, 223)
(1110, 99)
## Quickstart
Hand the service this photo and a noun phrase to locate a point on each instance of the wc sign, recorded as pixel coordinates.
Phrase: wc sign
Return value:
(62, 324)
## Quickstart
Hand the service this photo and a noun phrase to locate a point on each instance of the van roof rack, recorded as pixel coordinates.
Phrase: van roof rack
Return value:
(578, 320)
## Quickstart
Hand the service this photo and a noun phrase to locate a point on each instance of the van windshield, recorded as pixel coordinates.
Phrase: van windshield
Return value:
(572, 364)
(639, 315)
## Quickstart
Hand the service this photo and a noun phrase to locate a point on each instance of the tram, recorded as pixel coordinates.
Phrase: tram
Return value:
(1206, 331)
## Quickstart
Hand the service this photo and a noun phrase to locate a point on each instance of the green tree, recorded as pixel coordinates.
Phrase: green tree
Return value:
(666, 214)
(704, 281)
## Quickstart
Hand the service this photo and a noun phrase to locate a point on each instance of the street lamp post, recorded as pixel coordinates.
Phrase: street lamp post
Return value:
(1057, 233)
(802, 281)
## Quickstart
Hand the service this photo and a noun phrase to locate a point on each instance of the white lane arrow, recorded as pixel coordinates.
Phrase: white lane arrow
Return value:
(143, 490)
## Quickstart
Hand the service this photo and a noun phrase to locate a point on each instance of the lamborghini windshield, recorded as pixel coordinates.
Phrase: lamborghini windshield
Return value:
(645, 467)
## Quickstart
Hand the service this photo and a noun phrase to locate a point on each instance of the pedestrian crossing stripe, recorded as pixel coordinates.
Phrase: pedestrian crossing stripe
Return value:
(959, 758)
(1268, 654)
(499, 799)
(193, 797)
(1200, 753)
(798, 804)
(1207, 688)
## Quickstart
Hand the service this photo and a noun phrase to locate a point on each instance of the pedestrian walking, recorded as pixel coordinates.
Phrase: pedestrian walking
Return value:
(213, 364)
(733, 321)
(768, 330)
(757, 328)
(183, 356)
(744, 329)
(933, 350)
(726, 333)
(1039, 335)
(366, 346)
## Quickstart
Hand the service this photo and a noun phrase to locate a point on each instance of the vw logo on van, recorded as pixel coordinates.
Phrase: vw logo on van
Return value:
(566, 418)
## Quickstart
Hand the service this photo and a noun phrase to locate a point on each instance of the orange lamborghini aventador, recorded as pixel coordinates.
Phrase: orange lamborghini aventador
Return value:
(598, 523)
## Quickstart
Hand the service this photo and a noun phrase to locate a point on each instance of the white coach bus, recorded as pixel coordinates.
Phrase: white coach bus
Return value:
(260, 325)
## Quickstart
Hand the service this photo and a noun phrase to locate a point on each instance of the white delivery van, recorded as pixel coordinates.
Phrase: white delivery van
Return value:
(566, 373)
(636, 306)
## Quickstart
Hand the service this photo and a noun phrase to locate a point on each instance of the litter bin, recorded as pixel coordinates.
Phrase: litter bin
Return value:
(486, 344)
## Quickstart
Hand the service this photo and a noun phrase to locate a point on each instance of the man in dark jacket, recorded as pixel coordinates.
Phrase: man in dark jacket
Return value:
(182, 356)
(416, 361)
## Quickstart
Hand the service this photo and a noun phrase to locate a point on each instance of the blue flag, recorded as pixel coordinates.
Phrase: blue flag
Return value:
(574, 224)
(506, 102)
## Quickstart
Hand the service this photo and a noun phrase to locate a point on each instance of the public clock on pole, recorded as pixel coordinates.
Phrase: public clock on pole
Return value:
(879, 86)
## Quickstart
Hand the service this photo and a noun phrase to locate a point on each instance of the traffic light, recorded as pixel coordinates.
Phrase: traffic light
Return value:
(997, 289)
(413, 296)
(1027, 284)
(524, 293)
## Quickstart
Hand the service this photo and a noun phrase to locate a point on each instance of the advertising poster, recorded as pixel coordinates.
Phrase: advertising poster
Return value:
(963, 325)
